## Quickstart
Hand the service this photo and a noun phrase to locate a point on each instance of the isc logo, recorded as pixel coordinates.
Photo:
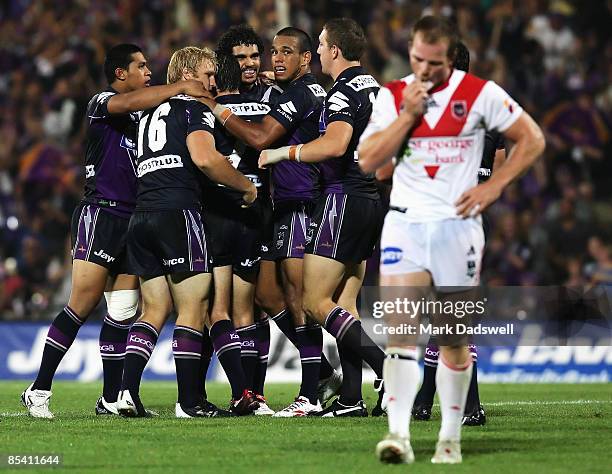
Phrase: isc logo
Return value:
(173, 261)
(391, 255)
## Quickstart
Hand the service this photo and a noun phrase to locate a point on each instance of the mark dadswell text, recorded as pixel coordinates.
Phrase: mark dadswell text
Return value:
(456, 329)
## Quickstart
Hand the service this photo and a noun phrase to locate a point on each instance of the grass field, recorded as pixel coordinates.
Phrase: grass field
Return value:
(530, 428)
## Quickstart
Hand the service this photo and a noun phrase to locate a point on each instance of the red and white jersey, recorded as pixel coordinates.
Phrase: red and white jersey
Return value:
(441, 159)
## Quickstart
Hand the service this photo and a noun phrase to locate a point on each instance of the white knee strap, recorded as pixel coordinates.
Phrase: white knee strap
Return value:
(121, 304)
(402, 352)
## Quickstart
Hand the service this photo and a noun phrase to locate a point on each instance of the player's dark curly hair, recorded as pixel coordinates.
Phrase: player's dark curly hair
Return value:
(238, 35)
(228, 75)
(119, 56)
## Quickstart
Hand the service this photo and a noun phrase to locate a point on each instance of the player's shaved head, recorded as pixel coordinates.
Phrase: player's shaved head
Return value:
(188, 59)
(348, 36)
(304, 41)
(433, 29)
(119, 57)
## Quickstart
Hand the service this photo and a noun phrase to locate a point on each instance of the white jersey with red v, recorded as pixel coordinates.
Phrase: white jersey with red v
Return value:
(441, 158)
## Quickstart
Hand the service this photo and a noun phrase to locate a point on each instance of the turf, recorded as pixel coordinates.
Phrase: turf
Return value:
(530, 428)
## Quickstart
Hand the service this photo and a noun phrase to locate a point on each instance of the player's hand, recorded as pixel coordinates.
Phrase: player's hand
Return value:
(249, 197)
(414, 96)
(270, 157)
(474, 201)
(194, 88)
(267, 77)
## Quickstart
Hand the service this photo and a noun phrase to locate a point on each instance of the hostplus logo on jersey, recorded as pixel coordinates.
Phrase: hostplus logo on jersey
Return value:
(287, 110)
(158, 163)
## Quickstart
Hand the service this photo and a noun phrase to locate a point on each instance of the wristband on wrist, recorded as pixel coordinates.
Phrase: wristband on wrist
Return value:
(222, 113)
(294, 152)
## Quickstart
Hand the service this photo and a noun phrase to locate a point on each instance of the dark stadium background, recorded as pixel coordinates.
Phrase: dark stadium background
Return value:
(554, 57)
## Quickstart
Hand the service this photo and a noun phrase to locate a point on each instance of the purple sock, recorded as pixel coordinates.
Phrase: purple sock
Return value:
(248, 352)
(207, 352)
(140, 345)
(61, 335)
(187, 350)
(263, 348)
(228, 347)
(348, 331)
(310, 344)
(113, 337)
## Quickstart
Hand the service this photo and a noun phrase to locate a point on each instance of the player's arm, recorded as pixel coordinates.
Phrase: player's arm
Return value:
(148, 97)
(258, 135)
(213, 164)
(332, 144)
(528, 145)
(379, 148)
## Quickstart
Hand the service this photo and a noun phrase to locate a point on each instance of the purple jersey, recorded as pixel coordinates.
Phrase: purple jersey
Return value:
(349, 100)
(110, 157)
(297, 109)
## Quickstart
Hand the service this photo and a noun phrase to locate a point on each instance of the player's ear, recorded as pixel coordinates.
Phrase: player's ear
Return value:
(187, 74)
(121, 74)
(306, 58)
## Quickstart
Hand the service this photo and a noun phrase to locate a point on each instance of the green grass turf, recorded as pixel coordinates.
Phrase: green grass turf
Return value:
(537, 436)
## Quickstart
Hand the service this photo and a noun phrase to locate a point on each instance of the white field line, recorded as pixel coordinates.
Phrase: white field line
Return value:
(486, 404)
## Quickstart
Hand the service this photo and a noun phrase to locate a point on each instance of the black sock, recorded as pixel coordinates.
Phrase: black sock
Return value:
(310, 344)
(187, 350)
(426, 393)
(207, 352)
(140, 344)
(348, 331)
(350, 392)
(248, 352)
(113, 337)
(227, 345)
(284, 321)
(473, 398)
(61, 335)
(263, 348)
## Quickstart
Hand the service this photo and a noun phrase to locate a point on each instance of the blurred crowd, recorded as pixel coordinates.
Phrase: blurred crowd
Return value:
(554, 57)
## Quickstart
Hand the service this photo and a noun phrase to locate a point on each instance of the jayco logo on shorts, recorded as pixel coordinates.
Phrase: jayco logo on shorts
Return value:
(173, 261)
(104, 256)
(391, 255)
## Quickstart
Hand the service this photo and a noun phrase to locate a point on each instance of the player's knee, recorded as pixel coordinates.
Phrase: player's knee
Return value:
(314, 308)
(121, 304)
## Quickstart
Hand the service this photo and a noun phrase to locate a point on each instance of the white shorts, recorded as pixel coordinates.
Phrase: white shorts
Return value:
(450, 250)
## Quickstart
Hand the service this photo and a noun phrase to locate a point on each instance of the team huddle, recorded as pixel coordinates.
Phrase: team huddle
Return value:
(233, 199)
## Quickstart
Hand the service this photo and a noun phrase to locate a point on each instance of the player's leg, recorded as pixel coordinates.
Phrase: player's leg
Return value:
(88, 281)
(322, 276)
(122, 297)
(350, 401)
(401, 370)
(474, 412)
(141, 341)
(226, 340)
(254, 348)
(190, 292)
(455, 266)
(424, 399)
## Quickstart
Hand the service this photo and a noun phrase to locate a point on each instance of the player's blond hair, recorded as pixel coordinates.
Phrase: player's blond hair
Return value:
(188, 59)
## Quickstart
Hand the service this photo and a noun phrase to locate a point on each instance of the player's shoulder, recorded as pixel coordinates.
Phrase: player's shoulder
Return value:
(100, 98)
(356, 79)
(308, 86)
